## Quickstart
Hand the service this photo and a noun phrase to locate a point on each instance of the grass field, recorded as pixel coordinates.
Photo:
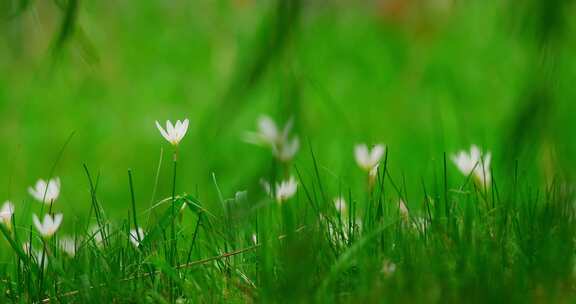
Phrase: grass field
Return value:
(239, 210)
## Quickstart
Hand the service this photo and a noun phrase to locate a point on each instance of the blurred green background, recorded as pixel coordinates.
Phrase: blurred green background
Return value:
(422, 77)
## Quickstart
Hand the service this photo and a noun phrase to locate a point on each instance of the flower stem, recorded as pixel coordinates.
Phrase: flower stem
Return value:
(173, 250)
(133, 198)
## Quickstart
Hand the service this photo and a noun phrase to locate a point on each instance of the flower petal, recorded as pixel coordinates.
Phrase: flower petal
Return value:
(37, 223)
(164, 134)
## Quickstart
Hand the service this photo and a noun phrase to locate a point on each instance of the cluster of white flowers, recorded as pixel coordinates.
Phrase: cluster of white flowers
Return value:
(283, 147)
(473, 163)
(46, 192)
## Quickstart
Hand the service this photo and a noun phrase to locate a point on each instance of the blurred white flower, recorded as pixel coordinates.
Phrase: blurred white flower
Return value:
(68, 245)
(6, 214)
(269, 135)
(136, 236)
(388, 268)
(286, 189)
(286, 150)
(97, 234)
(340, 204)
(473, 163)
(254, 239)
(46, 192)
(403, 210)
(174, 133)
(368, 159)
(49, 225)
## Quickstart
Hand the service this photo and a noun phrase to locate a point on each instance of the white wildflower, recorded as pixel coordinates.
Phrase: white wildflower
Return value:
(286, 189)
(49, 225)
(368, 159)
(474, 163)
(6, 214)
(269, 135)
(46, 192)
(173, 133)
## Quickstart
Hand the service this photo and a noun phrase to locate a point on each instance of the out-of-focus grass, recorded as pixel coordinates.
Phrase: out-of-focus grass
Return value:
(347, 73)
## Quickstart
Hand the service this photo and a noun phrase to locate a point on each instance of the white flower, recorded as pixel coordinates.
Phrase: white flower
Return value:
(254, 239)
(368, 159)
(286, 189)
(286, 150)
(68, 245)
(6, 214)
(136, 236)
(49, 225)
(46, 192)
(174, 133)
(340, 204)
(473, 163)
(268, 134)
